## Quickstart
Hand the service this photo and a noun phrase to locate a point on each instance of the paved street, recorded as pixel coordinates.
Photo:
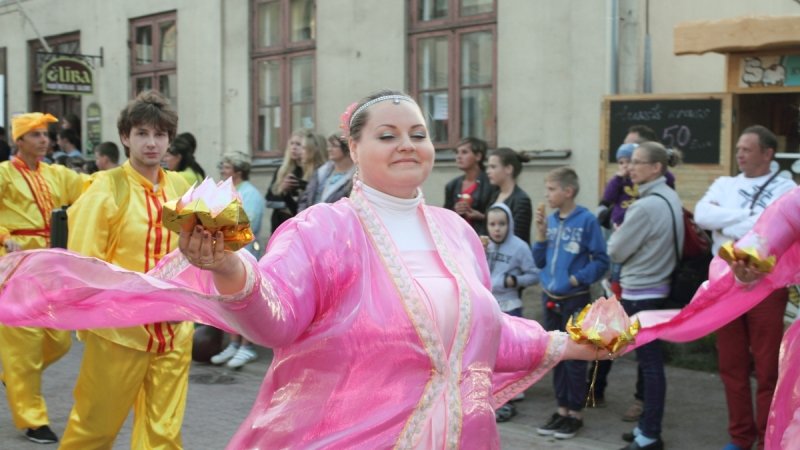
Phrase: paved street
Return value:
(219, 399)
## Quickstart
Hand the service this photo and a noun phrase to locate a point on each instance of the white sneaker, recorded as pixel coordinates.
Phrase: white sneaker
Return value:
(225, 355)
(244, 355)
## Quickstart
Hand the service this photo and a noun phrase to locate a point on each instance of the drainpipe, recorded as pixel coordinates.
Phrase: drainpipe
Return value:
(648, 52)
(613, 46)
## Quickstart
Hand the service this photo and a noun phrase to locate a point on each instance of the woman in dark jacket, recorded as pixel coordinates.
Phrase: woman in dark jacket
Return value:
(302, 157)
(504, 167)
(469, 194)
(332, 180)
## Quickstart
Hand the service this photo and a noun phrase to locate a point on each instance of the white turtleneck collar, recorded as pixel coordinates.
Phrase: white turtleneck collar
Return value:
(390, 202)
(402, 217)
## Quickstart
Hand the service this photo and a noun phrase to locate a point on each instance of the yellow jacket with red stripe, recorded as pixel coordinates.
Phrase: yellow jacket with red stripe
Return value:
(27, 197)
(118, 219)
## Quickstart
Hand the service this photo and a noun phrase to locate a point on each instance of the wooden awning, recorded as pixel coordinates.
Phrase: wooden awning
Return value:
(740, 34)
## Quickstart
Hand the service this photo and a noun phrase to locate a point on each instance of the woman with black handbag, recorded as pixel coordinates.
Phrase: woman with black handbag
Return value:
(645, 246)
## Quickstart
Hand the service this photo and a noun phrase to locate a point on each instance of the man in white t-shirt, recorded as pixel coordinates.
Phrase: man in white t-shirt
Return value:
(729, 209)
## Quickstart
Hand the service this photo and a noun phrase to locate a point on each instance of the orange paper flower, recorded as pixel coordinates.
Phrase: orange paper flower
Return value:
(604, 324)
(217, 207)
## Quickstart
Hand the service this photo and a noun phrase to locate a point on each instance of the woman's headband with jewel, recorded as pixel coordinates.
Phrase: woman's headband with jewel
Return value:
(395, 98)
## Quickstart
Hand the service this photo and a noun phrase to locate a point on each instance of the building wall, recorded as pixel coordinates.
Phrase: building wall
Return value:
(550, 80)
(106, 24)
(554, 65)
(704, 73)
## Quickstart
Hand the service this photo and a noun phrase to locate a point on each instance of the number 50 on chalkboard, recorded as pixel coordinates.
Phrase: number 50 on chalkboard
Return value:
(691, 125)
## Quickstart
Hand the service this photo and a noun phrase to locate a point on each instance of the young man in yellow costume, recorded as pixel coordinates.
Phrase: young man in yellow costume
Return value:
(118, 219)
(29, 191)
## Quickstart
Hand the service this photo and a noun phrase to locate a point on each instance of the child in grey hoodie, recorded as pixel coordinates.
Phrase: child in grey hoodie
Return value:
(510, 260)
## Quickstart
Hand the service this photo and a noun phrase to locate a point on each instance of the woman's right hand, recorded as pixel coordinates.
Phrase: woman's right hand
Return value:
(540, 222)
(289, 184)
(462, 208)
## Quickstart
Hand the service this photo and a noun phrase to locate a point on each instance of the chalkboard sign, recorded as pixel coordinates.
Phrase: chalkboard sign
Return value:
(691, 125)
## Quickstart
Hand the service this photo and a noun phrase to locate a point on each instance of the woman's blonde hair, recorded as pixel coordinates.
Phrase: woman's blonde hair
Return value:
(314, 145)
(288, 165)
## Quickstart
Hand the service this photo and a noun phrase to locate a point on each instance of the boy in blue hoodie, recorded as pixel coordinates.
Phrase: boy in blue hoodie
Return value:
(571, 251)
(512, 268)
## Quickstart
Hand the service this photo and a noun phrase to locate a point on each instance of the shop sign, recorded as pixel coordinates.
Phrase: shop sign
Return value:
(769, 71)
(63, 75)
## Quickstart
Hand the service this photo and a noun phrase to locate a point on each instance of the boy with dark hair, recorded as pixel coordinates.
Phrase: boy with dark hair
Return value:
(118, 219)
(69, 143)
(571, 252)
(107, 155)
(640, 133)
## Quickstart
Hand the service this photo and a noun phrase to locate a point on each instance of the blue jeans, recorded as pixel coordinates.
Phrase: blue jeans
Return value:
(569, 376)
(651, 365)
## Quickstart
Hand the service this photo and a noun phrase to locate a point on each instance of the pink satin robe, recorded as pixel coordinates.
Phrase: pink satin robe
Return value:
(358, 361)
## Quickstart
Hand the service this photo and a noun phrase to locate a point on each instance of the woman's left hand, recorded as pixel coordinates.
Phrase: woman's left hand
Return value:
(589, 352)
(745, 272)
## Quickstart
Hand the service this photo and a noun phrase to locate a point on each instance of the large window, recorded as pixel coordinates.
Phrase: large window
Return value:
(283, 72)
(453, 67)
(154, 55)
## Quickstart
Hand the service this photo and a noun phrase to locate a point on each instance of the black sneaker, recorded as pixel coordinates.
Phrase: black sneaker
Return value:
(41, 435)
(552, 425)
(569, 427)
(629, 437)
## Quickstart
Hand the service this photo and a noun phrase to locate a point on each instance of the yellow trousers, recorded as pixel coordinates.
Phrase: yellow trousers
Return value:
(114, 378)
(25, 353)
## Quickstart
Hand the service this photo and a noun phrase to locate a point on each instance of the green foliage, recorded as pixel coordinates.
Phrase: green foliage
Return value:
(696, 355)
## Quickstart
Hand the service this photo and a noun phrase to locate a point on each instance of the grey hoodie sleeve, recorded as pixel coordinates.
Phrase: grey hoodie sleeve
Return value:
(631, 235)
(529, 274)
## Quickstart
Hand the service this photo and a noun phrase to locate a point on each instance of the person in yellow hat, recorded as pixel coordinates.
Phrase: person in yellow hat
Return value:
(31, 190)
(118, 219)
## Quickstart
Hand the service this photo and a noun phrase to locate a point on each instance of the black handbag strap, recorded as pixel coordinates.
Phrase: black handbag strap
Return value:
(761, 190)
(674, 227)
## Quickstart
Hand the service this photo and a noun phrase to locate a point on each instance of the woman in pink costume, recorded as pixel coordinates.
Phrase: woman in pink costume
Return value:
(725, 297)
(378, 307)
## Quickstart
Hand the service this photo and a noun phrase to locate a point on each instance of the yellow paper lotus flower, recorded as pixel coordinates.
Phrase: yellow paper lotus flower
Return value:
(215, 206)
(604, 324)
(749, 254)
